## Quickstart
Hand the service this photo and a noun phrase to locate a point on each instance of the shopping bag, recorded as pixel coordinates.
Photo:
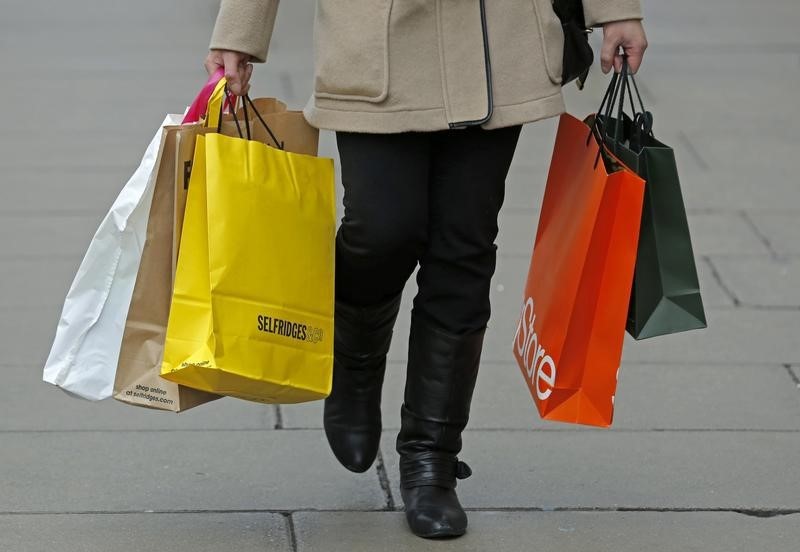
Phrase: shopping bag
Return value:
(252, 305)
(569, 337)
(139, 379)
(85, 351)
(83, 357)
(666, 290)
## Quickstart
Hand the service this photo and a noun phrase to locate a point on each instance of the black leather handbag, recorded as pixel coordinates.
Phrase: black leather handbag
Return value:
(578, 54)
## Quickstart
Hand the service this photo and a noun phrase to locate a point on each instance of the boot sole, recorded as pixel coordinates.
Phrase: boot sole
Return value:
(441, 535)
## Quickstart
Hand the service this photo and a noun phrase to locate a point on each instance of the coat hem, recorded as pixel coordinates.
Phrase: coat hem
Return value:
(427, 120)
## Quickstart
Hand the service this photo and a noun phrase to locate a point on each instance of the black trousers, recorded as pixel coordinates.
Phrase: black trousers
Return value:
(430, 198)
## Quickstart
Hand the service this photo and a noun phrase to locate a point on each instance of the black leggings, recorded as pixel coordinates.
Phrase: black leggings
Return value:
(430, 198)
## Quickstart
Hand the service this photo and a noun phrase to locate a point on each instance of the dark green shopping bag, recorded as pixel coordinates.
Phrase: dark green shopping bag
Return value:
(665, 297)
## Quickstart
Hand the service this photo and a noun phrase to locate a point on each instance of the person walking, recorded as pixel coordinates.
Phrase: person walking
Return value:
(427, 99)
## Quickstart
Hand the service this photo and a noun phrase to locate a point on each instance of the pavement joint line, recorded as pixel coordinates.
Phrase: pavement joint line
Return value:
(718, 279)
(792, 375)
(383, 479)
(576, 429)
(290, 530)
(765, 512)
(759, 234)
(694, 153)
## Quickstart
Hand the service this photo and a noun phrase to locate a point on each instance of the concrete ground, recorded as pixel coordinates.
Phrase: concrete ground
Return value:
(704, 451)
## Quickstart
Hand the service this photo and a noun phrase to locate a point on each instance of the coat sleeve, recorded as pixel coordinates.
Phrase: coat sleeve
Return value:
(598, 12)
(245, 26)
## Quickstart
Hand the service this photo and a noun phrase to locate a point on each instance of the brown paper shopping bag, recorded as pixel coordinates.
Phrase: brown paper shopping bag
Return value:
(138, 379)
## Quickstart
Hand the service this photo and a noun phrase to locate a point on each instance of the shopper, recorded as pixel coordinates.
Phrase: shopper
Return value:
(427, 98)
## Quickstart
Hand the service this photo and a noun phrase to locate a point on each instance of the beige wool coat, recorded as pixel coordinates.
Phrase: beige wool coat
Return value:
(385, 66)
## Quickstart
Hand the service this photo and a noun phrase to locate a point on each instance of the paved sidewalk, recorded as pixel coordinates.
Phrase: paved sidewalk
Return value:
(704, 451)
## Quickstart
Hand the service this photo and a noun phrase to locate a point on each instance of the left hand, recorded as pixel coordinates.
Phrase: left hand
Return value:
(630, 35)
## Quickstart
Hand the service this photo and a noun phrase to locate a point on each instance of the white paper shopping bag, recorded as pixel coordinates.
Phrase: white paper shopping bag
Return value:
(83, 359)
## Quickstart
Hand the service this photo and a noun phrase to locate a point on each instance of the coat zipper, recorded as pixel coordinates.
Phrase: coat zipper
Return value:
(488, 64)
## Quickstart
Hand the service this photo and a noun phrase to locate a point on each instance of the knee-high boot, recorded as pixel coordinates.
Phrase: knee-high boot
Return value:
(442, 370)
(352, 416)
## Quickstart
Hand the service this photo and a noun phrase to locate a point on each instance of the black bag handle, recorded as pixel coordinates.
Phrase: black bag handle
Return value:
(245, 101)
(598, 127)
(279, 144)
(642, 118)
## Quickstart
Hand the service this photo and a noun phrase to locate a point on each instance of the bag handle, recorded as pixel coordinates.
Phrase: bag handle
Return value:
(245, 101)
(598, 126)
(642, 118)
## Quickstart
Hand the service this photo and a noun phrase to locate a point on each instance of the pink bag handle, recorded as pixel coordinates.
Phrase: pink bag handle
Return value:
(200, 104)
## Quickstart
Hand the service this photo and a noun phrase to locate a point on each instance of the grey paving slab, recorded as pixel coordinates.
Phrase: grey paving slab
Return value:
(676, 396)
(563, 531)
(600, 469)
(781, 229)
(743, 177)
(692, 100)
(668, 24)
(47, 237)
(656, 397)
(517, 233)
(145, 532)
(512, 271)
(38, 406)
(730, 338)
(66, 150)
(43, 192)
(178, 470)
(761, 281)
(649, 397)
(535, 145)
(27, 334)
(525, 184)
(191, 12)
(724, 234)
(712, 234)
(41, 282)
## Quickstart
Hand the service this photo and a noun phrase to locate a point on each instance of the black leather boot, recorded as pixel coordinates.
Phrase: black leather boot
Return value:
(352, 417)
(442, 369)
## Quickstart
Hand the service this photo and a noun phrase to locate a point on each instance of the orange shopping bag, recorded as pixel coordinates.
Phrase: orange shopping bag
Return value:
(569, 337)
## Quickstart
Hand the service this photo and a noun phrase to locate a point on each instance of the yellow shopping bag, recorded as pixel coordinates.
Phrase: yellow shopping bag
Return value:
(252, 306)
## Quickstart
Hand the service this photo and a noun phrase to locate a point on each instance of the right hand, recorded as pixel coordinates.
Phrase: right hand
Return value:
(238, 69)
